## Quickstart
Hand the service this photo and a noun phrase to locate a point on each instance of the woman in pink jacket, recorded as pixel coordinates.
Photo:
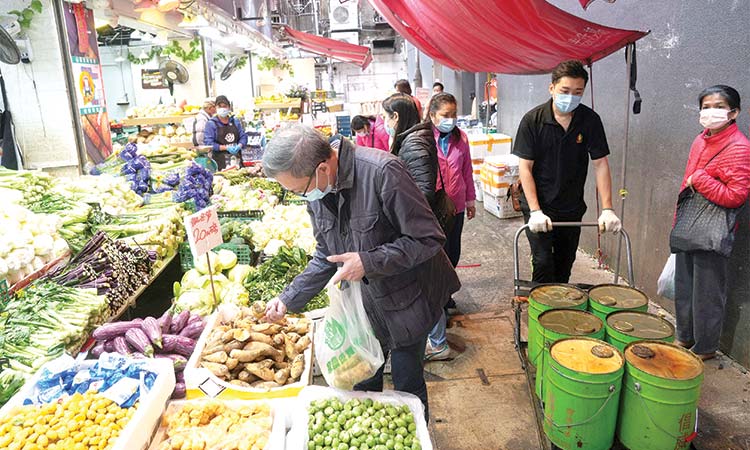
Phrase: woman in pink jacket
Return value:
(718, 168)
(454, 162)
(370, 132)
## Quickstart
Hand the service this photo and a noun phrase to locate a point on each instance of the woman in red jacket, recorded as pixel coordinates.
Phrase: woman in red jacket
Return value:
(719, 169)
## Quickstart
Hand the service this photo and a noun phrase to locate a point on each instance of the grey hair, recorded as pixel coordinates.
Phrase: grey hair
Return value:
(297, 150)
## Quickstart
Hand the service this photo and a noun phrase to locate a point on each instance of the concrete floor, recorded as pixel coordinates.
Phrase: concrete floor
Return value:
(481, 399)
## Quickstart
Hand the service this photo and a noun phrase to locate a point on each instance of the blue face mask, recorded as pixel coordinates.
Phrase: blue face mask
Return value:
(316, 194)
(391, 131)
(446, 125)
(567, 102)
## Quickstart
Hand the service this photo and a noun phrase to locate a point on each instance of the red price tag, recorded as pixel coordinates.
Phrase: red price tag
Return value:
(203, 231)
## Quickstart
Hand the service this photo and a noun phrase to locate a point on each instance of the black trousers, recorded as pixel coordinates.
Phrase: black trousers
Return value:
(452, 245)
(407, 371)
(553, 253)
(700, 288)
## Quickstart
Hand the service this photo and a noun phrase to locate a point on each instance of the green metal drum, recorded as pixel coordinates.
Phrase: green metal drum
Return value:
(624, 327)
(543, 298)
(582, 393)
(608, 298)
(661, 389)
(557, 324)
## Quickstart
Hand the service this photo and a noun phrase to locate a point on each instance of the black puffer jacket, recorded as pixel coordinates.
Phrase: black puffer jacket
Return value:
(417, 149)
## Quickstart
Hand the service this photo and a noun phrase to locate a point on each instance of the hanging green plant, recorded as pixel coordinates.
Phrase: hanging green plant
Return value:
(268, 63)
(153, 53)
(25, 15)
(187, 56)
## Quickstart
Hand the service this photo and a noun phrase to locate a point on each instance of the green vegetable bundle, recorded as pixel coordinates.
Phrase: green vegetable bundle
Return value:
(75, 215)
(271, 277)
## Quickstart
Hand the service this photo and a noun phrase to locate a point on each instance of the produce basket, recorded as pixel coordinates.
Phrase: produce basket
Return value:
(298, 436)
(243, 252)
(200, 382)
(139, 429)
(276, 439)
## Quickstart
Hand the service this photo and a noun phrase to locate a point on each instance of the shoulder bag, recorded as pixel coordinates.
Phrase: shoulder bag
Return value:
(701, 224)
(444, 208)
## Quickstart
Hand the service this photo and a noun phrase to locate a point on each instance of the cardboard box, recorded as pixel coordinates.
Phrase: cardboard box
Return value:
(200, 382)
(500, 206)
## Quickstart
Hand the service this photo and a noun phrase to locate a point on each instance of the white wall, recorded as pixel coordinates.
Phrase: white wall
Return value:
(363, 90)
(44, 127)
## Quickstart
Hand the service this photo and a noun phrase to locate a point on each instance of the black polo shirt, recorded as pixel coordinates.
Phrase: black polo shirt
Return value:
(561, 158)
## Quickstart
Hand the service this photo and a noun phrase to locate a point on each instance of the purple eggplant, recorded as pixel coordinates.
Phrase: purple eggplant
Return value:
(193, 330)
(165, 321)
(194, 318)
(179, 390)
(109, 345)
(98, 349)
(153, 331)
(120, 345)
(179, 322)
(113, 329)
(179, 376)
(139, 341)
(178, 344)
(178, 361)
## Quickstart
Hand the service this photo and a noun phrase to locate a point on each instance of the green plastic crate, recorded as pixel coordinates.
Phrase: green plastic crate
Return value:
(253, 214)
(243, 252)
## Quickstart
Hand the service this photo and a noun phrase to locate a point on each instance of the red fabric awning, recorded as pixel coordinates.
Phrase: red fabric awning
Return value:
(338, 50)
(586, 3)
(501, 36)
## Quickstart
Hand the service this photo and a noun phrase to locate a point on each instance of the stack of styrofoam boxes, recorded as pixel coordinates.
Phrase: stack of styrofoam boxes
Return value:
(481, 146)
(498, 173)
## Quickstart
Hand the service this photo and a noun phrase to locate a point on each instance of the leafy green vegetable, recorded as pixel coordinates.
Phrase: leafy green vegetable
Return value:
(271, 277)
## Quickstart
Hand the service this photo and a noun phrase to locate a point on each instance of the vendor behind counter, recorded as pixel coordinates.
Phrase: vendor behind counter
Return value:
(225, 134)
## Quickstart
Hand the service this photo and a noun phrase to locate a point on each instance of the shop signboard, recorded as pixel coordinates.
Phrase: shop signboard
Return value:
(153, 79)
(88, 83)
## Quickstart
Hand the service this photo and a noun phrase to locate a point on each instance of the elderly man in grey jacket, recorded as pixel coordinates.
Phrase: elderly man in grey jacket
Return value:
(371, 223)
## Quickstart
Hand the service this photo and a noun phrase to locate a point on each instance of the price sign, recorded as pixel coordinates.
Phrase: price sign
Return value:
(203, 231)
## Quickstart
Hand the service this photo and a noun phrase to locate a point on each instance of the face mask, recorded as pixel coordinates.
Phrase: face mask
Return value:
(714, 118)
(567, 102)
(391, 131)
(361, 134)
(446, 125)
(316, 194)
(222, 112)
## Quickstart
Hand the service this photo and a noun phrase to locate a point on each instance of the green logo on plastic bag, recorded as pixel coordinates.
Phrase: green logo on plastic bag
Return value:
(335, 334)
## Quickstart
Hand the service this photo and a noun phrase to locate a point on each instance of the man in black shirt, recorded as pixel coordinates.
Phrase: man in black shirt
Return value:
(554, 142)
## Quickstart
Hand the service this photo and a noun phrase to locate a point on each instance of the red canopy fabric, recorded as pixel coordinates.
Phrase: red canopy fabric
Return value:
(586, 3)
(501, 36)
(339, 50)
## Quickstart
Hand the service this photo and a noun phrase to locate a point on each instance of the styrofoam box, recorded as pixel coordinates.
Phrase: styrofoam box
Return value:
(277, 439)
(500, 206)
(200, 382)
(478, 190)
(298, 437)
(482, 145)
(137, 433)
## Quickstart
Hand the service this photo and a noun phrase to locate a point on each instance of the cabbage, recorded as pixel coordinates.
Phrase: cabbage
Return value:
(202, 265)
(273, 246)
(43, 244)
(227, 259)
(191, 279)
(235, 294)
(239, 272)
(197, 301)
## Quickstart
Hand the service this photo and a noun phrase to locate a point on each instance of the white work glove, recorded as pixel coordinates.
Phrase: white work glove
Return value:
(539, 222)
(609, 222)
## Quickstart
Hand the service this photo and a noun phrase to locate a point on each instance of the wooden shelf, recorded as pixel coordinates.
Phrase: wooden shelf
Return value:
(279, 105)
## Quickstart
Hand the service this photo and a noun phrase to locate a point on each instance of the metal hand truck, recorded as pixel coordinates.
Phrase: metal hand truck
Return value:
(521, 288)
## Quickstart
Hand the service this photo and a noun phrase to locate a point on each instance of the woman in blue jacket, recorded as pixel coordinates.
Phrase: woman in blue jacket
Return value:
(225, 135)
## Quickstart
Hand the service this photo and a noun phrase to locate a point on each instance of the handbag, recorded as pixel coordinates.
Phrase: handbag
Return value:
(702, 225)
(516, 189)
(444, 208)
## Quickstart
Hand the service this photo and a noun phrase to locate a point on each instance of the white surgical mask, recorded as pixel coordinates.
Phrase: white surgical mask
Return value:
(567, 102)
(222, 112)
(714, 118)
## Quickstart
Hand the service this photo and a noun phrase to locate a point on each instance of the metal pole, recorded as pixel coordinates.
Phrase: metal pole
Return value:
(623, 169)
(62, 36)
(207, 67)
(250, 65)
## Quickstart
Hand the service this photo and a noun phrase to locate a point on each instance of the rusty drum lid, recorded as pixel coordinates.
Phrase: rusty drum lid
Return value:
(663, 360)
(641, 325)
(571, 322)
(558, 295)
(587, 355)
(618, 296)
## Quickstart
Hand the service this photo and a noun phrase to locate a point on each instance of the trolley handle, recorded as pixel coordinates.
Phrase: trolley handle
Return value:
(626, 238)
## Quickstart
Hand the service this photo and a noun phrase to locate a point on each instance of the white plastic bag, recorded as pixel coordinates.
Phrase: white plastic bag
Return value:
(346, 348)
(665, 285)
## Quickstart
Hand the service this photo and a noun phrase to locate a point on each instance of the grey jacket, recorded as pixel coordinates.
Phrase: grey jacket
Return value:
(379, 212)
(199, 125)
